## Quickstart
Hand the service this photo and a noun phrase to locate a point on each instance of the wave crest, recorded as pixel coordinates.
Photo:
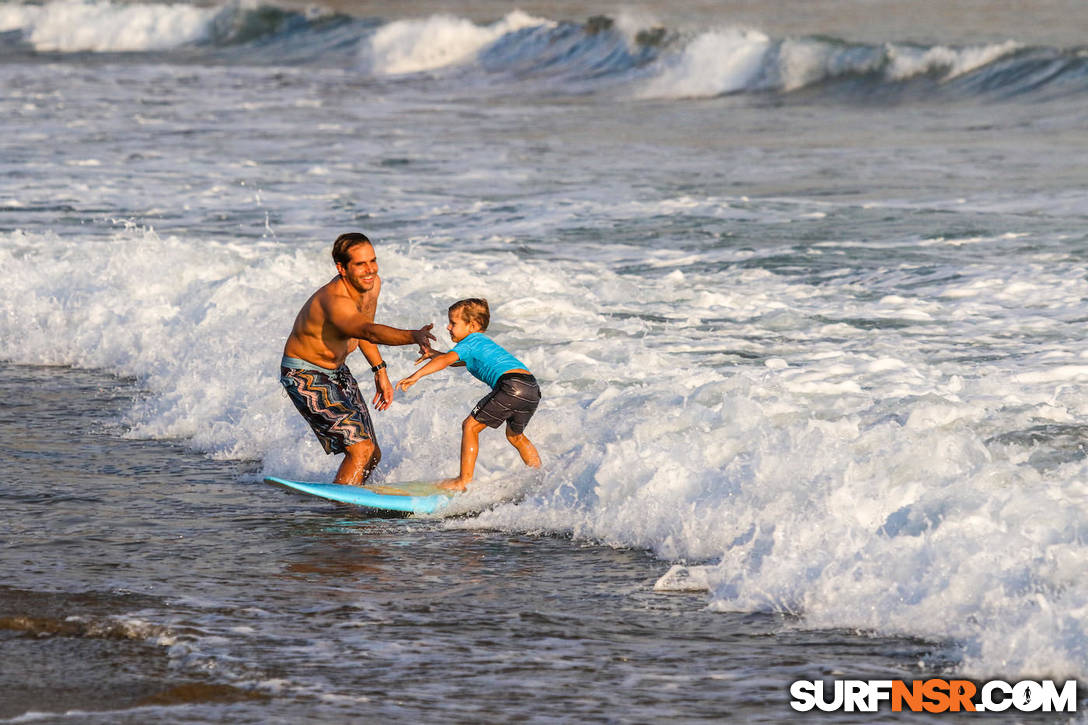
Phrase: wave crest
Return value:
(731, 61)
(412, 46)
(70, 26)
(588, 57)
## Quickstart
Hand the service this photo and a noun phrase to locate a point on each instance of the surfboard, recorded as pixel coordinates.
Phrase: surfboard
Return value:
(417, 497)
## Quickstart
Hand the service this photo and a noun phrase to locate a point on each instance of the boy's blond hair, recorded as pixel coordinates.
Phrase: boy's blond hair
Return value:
(474, 309)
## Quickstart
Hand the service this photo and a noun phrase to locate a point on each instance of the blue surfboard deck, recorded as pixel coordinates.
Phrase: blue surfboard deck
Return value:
(402, 498)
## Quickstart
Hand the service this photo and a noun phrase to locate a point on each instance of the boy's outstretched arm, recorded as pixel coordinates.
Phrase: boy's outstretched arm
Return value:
(436, 363)
(435, 353)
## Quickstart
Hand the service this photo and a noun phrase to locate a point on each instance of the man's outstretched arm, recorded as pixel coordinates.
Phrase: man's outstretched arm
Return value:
(351, 323)
(386, 335)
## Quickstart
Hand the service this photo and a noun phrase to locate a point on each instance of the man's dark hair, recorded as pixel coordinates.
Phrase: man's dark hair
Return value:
(474, 309)
(343, 244)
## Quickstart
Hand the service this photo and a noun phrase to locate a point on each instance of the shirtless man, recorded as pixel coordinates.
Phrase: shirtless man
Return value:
(334, 322)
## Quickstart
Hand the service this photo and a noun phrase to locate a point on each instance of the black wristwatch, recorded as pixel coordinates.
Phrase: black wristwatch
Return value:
(375, 368)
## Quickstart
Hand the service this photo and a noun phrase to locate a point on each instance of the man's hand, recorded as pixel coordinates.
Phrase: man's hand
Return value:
(422, 337)
(406, 383)
(384, 397)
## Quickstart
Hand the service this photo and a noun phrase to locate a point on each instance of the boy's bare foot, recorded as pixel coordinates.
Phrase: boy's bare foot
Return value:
(452, 484)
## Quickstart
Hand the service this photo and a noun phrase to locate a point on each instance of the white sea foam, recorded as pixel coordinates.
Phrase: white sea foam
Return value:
(801, 62)
(102, 26)
(717, 62)
(713, 63)
(907, 62)
(412, 46)
(854, 472)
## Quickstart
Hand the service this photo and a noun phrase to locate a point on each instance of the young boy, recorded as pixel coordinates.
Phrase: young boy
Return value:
(514, 392)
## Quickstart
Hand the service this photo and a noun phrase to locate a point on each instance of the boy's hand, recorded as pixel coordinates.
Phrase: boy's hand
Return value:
(406, 383)
(429, 354)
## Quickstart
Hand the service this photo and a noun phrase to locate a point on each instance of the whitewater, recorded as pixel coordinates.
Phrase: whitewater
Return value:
(808, 313)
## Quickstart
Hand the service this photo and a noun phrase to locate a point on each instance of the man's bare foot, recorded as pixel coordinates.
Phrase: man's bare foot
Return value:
(452, 484)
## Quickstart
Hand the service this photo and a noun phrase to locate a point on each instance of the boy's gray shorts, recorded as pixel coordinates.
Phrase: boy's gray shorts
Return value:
(513, 401)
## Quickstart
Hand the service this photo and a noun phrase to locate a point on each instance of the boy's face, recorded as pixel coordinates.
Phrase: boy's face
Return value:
(459, 328)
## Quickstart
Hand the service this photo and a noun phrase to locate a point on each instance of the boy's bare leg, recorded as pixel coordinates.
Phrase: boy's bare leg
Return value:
(525, 447)
(470, 448)
(359, 462)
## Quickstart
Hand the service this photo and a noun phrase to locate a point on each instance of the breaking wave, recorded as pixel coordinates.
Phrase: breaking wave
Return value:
(650, 61)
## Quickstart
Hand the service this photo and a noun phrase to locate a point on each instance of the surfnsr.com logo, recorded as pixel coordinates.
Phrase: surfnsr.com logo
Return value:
(933, 695)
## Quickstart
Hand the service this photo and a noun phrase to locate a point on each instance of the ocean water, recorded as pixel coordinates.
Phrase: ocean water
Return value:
(805, 294)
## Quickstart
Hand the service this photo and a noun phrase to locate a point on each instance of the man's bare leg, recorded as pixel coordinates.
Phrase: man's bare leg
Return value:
(525, 448)
(470, 448)
(359, 462)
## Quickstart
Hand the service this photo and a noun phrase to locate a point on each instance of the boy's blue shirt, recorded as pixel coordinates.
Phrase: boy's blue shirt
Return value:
(485, 358)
